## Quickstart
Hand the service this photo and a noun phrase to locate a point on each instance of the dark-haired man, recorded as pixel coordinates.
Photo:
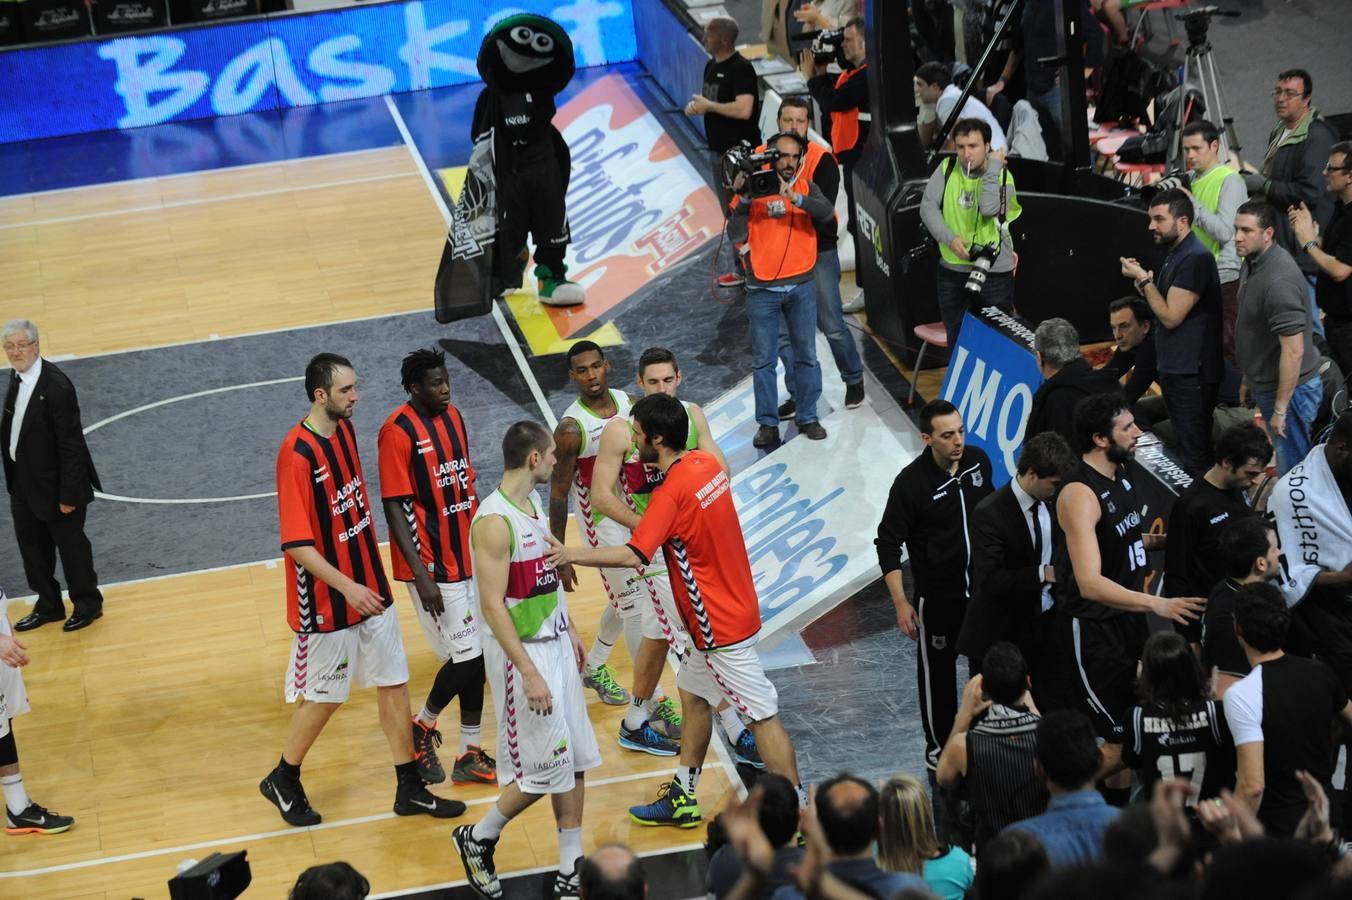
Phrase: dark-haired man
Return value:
(1101, 567)
(1012, 576)
(928, 510)
(847, 809)
(991, 751)
(1133, 358)
(1330, 247)
(1186, 301)
(1273, 339)
(1216, 191)
(1291, 175)
(938, 95)
(577, 437)
(613, 872)
(1071, 830)
(1248, 552)
(777, 237)
(1282, 714)
(968, 202)
(336, 598)
(534, 658)
(777, 815)
(819, 167)
(1192, 559)
(691, 517)
(427, 490)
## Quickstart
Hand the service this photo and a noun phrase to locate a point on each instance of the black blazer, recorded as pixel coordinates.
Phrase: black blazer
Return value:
(54, 465)
(1006, 581)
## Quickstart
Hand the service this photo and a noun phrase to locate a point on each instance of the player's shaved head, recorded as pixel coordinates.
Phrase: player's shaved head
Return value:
(521, 440)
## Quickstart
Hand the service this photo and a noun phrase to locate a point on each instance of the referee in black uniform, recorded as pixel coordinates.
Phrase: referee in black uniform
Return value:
(1100, 569)
(928, 509)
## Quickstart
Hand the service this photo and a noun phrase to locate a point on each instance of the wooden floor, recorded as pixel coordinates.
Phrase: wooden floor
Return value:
(220, 253)
(154, 726)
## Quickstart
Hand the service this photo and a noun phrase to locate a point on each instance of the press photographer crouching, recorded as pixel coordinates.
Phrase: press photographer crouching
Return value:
(968, 205)
(774, 226)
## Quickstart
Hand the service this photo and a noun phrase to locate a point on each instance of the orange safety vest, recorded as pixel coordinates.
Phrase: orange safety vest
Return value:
(845, 125)
(782, 246)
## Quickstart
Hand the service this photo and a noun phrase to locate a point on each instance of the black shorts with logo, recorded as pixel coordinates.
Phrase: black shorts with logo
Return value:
(1103, 655)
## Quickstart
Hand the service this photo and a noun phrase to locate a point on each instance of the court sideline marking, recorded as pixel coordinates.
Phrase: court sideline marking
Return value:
(497, 308)
(202, 201)
(287, 832)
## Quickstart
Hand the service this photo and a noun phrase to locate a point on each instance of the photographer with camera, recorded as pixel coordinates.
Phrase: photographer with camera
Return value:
(845, 99)
(1216, 191)
(774, 227)
(967, 207)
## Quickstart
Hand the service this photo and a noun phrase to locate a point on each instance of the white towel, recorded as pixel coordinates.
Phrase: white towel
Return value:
(1313, 523)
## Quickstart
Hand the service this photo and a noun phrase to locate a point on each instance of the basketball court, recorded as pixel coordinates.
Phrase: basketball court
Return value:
(182, 275)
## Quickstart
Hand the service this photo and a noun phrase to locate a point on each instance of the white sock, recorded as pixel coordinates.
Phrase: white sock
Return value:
(470, 735)
(491, 825)
(732, 723)
(633, 636)
(427, 717)
(607, 633)
(16, 798)
(570, 848)
(688, 777)
(639, 712)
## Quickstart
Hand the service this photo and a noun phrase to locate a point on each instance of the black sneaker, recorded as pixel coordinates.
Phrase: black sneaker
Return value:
(787, 410)
(289, 798)
(813, 431)
(569, 887)
(425, 743)
(766, 436)
(37, 820)
(854, 395)
(477, 858)
(414, 799)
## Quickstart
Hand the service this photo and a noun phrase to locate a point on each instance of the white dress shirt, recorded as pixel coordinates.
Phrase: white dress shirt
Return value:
(1043, 524)
(27, 381)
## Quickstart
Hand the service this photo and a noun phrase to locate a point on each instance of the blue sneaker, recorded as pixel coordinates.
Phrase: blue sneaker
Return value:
(673, 806)
(645, 740)
(745, 750)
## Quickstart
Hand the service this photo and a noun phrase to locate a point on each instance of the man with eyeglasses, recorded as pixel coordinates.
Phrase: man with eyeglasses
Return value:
(1292, 169)
(51, 479)
(1331, 250)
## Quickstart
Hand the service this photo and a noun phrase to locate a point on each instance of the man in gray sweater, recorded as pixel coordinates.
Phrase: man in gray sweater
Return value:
(776, 236)
(1273, 345)
(967, 204)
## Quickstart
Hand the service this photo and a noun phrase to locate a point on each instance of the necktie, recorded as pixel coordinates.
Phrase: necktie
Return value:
(1037, 531)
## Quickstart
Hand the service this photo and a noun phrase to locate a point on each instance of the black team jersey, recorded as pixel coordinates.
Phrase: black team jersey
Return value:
(1194, 746)
(1121, 548)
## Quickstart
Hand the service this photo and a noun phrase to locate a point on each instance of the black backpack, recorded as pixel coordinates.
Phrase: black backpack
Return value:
(1129, 84)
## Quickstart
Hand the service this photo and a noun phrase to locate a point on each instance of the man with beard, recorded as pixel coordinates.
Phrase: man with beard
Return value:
(1100, 570)
(1186, 300)
(1249, 552)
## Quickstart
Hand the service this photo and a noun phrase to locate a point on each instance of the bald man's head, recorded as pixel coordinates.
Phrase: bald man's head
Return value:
(613, 872)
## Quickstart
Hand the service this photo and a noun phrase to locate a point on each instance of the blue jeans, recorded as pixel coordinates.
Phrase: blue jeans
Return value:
(830, 322)
(1300, 413)
(765, 310)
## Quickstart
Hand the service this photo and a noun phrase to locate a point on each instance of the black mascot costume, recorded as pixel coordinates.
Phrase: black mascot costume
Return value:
(525, 61)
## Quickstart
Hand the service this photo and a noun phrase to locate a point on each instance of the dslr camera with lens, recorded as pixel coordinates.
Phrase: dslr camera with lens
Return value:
(982, 257)
(743, 159)
(1177, 178)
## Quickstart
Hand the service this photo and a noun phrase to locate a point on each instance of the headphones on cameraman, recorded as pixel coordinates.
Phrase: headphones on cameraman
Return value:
(802, 142)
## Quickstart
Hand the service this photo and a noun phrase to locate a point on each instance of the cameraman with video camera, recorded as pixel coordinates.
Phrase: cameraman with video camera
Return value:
(967, 207)
(774, 227)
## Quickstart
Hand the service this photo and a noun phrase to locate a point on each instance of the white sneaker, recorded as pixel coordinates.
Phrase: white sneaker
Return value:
(854, 304)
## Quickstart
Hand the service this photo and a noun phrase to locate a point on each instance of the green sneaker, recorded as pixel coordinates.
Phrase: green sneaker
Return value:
(666, 718)
(556, 290)
(602, 680)
(673, 806)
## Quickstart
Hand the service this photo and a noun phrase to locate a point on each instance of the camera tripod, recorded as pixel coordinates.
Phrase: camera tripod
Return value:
(1199, 64)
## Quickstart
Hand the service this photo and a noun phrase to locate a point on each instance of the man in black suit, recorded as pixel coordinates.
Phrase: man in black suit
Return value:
(51, 479)
(1012, 575)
